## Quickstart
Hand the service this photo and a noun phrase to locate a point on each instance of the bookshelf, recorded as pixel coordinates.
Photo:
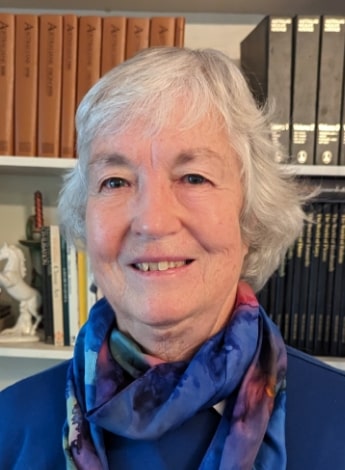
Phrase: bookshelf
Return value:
(208, 24)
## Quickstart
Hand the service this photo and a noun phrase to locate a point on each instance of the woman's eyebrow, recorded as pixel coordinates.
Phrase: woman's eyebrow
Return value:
(111, 159)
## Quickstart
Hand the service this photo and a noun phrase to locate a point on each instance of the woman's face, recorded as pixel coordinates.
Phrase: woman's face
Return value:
(162, 227)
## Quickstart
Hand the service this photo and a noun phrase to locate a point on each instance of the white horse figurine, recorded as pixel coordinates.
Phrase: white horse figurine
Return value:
(30, 301)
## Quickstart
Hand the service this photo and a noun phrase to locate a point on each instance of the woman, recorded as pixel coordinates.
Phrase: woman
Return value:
(184, 215)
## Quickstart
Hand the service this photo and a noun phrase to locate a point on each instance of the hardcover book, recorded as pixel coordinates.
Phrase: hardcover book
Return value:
(7, 35)
(49, 85)
(330, 87)
(113, 42)
(266, 59)
(138, 35)
(306, 38)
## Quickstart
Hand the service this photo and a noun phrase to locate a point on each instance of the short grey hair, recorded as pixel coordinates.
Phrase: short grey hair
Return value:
(147, 87)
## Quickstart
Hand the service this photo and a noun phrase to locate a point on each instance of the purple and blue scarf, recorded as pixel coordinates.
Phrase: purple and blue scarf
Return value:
(141, 397)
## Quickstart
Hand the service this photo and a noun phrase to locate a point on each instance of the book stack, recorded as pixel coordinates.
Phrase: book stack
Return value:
(306, 295)
(297, 63)
(49, 61)
(68, 289)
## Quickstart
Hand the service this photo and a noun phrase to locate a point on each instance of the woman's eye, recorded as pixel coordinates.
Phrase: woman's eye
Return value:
(114, 183)
(195, 179)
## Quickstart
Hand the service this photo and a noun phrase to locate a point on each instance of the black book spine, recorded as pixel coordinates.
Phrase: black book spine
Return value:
(313, 277)
(46, 286)
(330, 86)
(289, 273)
(266, 59)
(321, 289)
(326, 342)
(338, 318)
(296, 289)
(306, 39)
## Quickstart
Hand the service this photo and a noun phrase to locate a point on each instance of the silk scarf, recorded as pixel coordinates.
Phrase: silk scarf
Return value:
(244, 365)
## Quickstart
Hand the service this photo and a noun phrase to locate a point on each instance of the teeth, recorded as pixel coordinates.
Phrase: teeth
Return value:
(160, 266)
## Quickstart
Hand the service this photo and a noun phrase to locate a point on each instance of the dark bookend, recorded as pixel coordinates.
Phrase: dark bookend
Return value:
(330, 86)
(306, 38)
(69, 85)
(313, 278)
(89, 53)
(266, 59)
(138, 35)
(113, 42)
(321, 289)
(162, 31)
(48, 324)
(49, 85)
(7, 34)
(26, 85)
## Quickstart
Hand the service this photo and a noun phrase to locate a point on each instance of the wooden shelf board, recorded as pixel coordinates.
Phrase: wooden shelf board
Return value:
(35, 350)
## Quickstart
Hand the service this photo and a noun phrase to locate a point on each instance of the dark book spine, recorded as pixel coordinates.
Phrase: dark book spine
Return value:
(330, 86)
(306, 38)
(304, 282)
(326, 343)
(338, 318)
(289, 273)
(320, 312)
(313, 277)
(295, 295)
(266, 59)
(46, 286)
(65, 293)
(280, 295)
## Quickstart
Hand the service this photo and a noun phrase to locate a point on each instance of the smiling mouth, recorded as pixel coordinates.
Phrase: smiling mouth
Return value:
(160, 265)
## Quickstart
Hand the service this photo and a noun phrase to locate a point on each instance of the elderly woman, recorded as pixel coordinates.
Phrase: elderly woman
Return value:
(184, 215)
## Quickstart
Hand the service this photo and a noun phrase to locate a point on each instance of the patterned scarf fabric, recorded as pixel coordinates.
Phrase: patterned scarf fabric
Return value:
(140, 397)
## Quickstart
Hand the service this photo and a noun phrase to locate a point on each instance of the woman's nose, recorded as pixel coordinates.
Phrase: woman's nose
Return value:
(156, 212)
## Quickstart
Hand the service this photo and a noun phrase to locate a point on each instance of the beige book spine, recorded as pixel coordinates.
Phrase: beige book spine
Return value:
(162, 31)
(138, 35)
(113, 42)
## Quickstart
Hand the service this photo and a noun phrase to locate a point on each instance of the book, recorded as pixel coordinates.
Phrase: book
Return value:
(266, 59)
(313, 277)
(49, 85)
(330, 293)
(56, 284)
(338, 309)
(73, 296)
(113, 42)
(65, 291)
(289, 273)
(162, 31)
(137, 36)
(69, 85)
(295, 318)
(180, 24)
(82, 286)
(89, 53)
(306, 38)
(330, 80)
(47, 306)
(7, 35)
(26, 85)
(322, 268)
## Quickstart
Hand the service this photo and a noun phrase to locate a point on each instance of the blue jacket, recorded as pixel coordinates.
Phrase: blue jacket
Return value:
(33, 412)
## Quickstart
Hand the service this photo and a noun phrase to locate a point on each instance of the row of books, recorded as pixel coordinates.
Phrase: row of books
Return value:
(298, 62)
(68, 290)
(306, 295)
(47, 64)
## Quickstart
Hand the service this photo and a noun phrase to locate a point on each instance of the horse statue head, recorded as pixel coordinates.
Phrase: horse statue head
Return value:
(15, 259)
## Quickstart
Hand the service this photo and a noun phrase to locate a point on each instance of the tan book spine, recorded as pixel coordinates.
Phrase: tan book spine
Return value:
(162, 31)
(138, 35)
(7, 31)
(69, 85)
(89, 53)
(49, 85)
(113, 42)
(180, 26)
(25, 85)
